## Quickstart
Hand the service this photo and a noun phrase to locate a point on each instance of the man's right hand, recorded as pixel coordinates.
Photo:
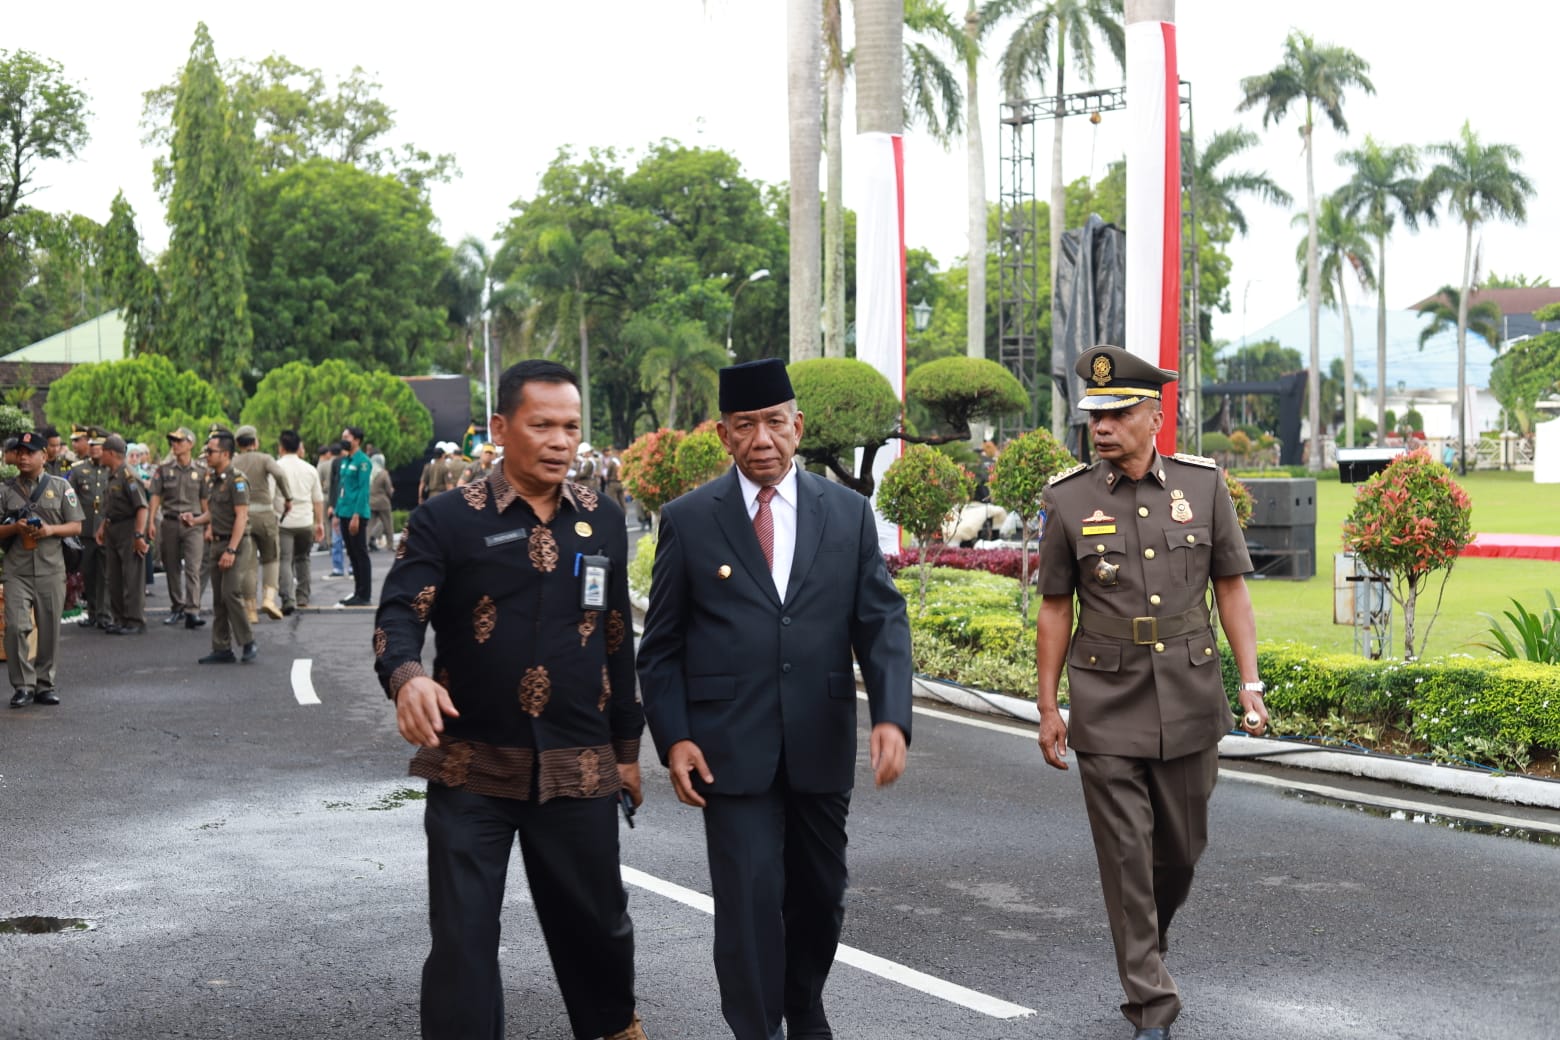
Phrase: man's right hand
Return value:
(420, 707)
(1053, 738)
(683, 760)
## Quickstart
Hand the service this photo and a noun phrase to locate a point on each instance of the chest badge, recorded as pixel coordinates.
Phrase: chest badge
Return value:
(49, 493)
(582, 529)
(1099, 523)
(1180, 508)
(1107, 573)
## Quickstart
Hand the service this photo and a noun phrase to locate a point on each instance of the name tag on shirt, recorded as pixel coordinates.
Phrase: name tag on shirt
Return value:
(505, 537)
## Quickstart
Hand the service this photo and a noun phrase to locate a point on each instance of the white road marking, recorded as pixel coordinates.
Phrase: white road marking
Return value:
(303, 682)
(1340, 794)
(867, 962)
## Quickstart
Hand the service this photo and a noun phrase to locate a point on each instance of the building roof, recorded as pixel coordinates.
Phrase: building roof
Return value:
(1433, 368)
(99, 339)
(1510, 301)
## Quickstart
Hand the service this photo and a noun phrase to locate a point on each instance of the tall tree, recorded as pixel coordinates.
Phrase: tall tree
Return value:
(1479, 182)
(1053, 36)
(682, 360)
(133, 284)
(976, 26)
(206, 266)
(1219, 191)
(1381, 188)
(804, 73)
(835, 65)
(1317, 75)
(42, 117)
(1483, 318)
(1344, 245)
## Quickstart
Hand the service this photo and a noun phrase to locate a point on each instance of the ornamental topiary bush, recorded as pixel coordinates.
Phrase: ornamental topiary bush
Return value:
(1410, 520)
(700, 457)
(1018, 479)
(918, 492)
(958, 389)
(650, 468)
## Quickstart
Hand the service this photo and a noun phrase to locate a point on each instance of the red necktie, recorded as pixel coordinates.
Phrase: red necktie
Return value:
(764, 525)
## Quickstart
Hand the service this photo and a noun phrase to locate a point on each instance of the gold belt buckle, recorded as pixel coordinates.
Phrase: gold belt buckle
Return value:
(1153, 631)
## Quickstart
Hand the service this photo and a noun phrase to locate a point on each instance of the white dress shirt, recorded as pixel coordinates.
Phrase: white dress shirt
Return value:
(782, 509)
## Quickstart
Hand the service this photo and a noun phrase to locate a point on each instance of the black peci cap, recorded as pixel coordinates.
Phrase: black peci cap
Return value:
(754, 385)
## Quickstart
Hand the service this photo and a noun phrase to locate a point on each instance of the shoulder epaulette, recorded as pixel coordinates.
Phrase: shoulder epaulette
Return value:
(1064, 474)
(1195, 460)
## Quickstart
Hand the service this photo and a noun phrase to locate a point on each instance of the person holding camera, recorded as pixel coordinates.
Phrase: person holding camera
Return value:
(39, 511)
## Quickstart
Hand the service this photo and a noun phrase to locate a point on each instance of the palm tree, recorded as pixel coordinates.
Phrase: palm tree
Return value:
(1480, 182)
(1218, 192)
(1344, 246)
(1484, 317)
(1318, 75)
(682, 358)
(1382, 188)
(1040, 46)
(804, 55)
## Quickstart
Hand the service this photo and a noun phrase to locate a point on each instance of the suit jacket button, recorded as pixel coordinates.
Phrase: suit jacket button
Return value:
(785, 621)
(786, 667)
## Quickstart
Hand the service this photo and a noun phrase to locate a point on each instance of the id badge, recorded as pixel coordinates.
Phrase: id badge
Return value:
(593, 571)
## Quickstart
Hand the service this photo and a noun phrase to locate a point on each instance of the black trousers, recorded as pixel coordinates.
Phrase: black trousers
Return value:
(94, 575)
(570, 849)
(357, 552)
(777, 867)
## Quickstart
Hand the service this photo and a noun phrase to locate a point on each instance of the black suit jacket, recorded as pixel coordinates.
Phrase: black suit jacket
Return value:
(726, 664)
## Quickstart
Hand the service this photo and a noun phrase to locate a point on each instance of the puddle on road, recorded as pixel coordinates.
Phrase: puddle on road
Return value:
(1538, 837)
(34, 925)
(394, 800)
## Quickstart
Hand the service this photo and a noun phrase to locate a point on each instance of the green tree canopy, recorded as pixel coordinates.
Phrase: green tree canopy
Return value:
(919, 491)
(1524, 374)
(320, 400)
(958, 389)
(1018, 479)
(344, 264)
(132, 397)
(846, 404)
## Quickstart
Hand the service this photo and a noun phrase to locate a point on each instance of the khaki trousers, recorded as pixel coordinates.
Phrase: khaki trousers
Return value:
(229, 622)
(27, 597)
(183, 552)
(1150, 824)
(263, 533)
(125, 573)
(297, 542)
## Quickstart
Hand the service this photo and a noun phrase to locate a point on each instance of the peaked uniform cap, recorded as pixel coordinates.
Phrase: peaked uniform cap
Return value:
(1116, 379)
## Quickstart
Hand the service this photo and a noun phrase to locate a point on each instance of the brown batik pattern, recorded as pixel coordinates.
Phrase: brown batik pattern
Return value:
(456, 767)
(615, 631)
(535, 690)
(588, 625)
(590, 772)
(381, 642)
(543, 549)
(584, 497)
(475, 494)
(606, 690)
(423, 602)
(442, 677)
(484, 617)
(402, 545)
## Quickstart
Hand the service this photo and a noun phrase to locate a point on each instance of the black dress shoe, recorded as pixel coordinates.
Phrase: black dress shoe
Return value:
(47, 697)
(87, 622)
(193, 620)
(288, 610)
(21, 698)
(1154, 1033)
(218, 657)
(251, 651)
(174, 618)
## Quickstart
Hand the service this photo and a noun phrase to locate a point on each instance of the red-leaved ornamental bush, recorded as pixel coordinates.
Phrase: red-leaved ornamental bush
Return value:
(650, 468)
(1004, 562)
(1410, 520)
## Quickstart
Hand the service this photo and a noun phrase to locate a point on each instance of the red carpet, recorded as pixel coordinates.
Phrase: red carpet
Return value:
(1514, 546)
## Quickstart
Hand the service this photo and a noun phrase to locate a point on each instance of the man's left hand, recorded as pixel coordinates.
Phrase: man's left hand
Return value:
(628, 772)
(1249, 703)
(352, 528)
(888, 753)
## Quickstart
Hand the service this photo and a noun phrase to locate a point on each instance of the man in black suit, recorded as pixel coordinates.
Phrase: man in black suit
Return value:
(765, 581)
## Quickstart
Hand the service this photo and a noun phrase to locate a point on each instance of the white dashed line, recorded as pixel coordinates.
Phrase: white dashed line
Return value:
(870, 963)
(303, 682)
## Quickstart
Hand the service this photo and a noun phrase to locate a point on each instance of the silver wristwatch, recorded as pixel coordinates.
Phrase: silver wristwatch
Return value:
(1259, 687)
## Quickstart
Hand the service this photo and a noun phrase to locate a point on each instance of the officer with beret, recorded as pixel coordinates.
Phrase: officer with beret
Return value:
(43, 511)
(1137, 538)
(124, 541)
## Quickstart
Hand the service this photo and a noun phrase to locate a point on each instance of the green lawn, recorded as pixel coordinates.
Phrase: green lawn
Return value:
(1502, 503)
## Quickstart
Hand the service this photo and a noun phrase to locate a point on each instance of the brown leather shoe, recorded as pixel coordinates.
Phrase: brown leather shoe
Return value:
(635, 1031)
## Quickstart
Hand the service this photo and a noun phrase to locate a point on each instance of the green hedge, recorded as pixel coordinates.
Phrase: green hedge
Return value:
(971, 632)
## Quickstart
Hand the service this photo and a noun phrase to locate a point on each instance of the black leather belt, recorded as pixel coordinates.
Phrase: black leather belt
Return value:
(1143, 631)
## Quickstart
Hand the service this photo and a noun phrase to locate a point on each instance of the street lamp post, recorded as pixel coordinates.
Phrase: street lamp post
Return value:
(761, 273)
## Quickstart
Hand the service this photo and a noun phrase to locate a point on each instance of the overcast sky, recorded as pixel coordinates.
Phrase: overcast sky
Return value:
(503, 87)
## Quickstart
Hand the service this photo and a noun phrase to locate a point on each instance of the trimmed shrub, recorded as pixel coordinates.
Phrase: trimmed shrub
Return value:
(1006, 563)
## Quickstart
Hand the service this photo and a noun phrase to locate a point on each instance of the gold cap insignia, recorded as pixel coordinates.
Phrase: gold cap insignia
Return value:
(1103, 369)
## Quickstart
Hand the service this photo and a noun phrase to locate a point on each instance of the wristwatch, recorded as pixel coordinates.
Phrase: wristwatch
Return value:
(1259, 687)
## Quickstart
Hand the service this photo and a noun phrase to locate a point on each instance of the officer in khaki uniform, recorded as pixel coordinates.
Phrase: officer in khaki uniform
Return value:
(256, 465)
(225, 515)
(1137, 538)
(35, 569)
(176, 486)
(123, 538)
(89, 479)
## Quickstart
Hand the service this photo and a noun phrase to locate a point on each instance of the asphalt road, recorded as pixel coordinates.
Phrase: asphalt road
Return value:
(252, 867)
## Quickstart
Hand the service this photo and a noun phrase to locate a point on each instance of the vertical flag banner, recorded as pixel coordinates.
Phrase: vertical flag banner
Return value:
(880, 280)
(1154, 205)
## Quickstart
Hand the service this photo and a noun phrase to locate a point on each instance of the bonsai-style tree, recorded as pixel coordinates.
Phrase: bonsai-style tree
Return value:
(919, 491)
(1410, 520)
(1018, 478)
(849, 405)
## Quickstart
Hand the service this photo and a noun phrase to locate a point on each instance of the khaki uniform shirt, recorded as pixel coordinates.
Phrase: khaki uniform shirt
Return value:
(57, 505)
(124, 496)
(178, 487)
(224, 493)
(89, 481)
(256, 466)
(1141, 553)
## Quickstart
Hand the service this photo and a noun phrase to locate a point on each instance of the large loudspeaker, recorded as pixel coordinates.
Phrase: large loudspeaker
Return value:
(1274, 550)
(1283, 502)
